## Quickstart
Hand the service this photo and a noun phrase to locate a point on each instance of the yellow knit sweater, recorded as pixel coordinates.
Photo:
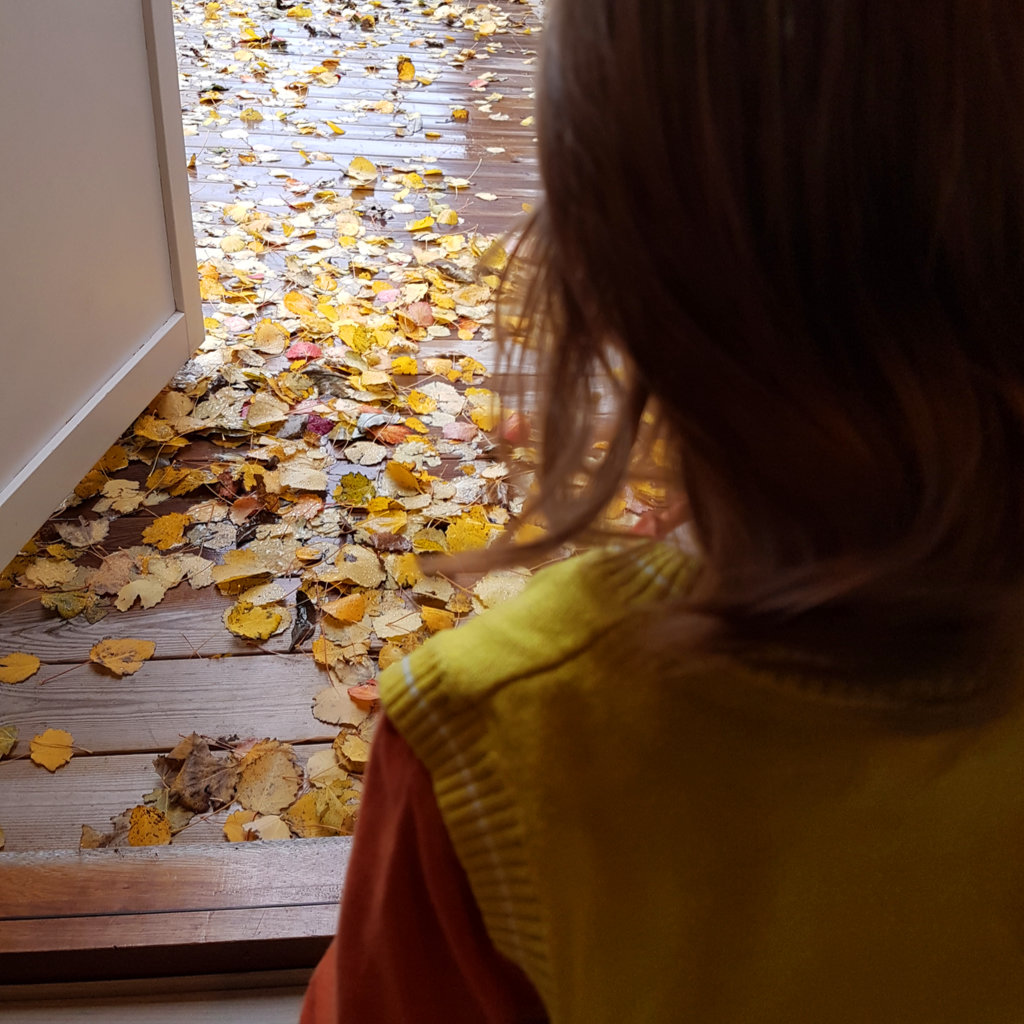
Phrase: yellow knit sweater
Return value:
(703, 841)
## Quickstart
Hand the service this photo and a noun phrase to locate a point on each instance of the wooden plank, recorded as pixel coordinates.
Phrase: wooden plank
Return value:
(164, 700)
(40, 811)
(125, 931)
(256, 1006)
(158, 880)
(185, 624)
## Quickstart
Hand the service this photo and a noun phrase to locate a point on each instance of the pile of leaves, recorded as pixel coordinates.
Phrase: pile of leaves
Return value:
(333, 425)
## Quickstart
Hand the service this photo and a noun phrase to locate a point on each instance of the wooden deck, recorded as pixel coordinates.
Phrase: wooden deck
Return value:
(128, 913)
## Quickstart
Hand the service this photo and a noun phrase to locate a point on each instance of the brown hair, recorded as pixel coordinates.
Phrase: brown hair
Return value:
(794, 228)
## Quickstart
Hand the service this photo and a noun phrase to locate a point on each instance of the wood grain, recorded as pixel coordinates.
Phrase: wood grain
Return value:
(164, 700)
(156, 880)
(40, 811)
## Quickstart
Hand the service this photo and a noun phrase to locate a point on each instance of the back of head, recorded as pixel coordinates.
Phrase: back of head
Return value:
(794, 228)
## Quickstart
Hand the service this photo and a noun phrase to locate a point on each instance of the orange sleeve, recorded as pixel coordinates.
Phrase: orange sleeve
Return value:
(411, 946)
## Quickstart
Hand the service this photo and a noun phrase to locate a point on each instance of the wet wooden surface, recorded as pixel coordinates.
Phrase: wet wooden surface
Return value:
(204, 679)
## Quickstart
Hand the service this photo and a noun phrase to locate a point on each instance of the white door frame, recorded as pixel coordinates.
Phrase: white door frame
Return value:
(30, 496)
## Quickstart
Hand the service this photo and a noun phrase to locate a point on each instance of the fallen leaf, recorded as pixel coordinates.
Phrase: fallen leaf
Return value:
(270, 777)
(362, 170)
(253, 622)
(406, 69)
(322, 769)
(8, 738)
(17, 667)
(367, 694)
(52, 749)
(500, 586)
(85, 533)
(69, 603)
(196, 777)
(350, 608)
(436, 619)
(167, 531)
(335, 707)
(234, 826)
(148, 827)
(359, 567)
(147, 590)
(50, 572)
(122, 657)
(353, 752)
(270, 826)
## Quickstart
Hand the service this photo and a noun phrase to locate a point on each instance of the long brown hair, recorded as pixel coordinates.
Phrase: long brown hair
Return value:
(794, 229)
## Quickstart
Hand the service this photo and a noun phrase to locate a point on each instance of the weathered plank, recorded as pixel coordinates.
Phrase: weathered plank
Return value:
(107, 913)
(150, 710)
(265, 1006)
(124, 931)
(154, 880)
(40, 811)
(186, 624)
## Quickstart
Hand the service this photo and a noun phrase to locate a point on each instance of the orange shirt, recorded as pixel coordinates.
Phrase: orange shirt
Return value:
(411, 946)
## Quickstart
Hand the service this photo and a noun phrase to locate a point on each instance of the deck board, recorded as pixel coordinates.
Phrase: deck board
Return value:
(203, 678)
(89, 791)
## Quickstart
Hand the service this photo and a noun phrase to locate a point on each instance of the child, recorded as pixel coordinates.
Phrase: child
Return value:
(784, 782)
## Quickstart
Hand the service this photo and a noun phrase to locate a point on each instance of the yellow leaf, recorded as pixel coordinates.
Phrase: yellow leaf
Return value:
(148, 827)
(17, 667)
(406, 69)
(418, 425)
(448, 217)
(270, 337)
(268, 826)
(148, 591)
(234, 826)
(51, 749)
(167, 531)
(354, 490)
(346, 609)
(299, 304)
(153, 429)
(406, 570)
(420, 403)
(8, 737)
(352, 751)
(122, 657)
(425, 224)
(254, 622)
(298, 11)
(469, 532)
(436, 619)
(460, 114)
(362, 170)
(404, 365)
(403, 476)
(336, 128)
(325, 652)
(270, 777)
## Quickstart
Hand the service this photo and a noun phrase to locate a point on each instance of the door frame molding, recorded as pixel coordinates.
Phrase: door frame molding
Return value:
(49, 476)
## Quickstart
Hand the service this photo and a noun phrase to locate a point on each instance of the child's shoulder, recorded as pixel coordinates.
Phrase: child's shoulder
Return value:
(564, 609)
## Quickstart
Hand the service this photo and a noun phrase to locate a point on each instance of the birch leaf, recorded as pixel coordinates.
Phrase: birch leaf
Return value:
(122, 657)
(17, 667)
(52, 749)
